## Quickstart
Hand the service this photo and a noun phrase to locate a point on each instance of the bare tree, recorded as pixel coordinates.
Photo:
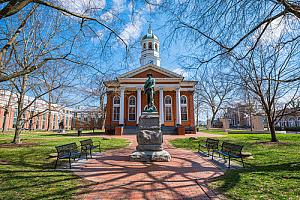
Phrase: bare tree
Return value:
(225, 28)
(38, 45)
(260, 73)
(215, 91)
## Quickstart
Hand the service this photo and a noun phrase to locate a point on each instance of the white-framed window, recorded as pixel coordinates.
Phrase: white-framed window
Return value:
(54, 122)
(131, 108)
(116, 108)
(15, 118)
(168, 108)
(184, 108)
(44, 121)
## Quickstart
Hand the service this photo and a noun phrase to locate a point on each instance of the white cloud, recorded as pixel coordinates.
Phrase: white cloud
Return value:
(118, 5)
(82, 6)
(107, 16)
(133, 29)
(181, 71)
(99, 36)
(274, 31)
(153, 5)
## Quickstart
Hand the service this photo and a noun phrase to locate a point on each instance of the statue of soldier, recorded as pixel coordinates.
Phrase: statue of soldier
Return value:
(149, 91)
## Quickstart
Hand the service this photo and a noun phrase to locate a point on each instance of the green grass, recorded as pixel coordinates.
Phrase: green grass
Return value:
(274, 173)
(26, 171)
(214, 131)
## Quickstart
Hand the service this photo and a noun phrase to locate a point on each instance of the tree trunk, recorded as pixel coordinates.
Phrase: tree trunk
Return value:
(272, 131)
(213, 118)
(17, 138)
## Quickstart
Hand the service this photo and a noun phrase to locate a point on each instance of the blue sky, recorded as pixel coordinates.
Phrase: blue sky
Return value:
(131, 27)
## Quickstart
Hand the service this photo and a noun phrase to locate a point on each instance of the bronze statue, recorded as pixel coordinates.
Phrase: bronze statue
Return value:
(149, 91)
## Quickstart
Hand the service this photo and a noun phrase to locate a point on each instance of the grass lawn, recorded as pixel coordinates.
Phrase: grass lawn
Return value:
(274, 173)
(26, 171)
(214, 131)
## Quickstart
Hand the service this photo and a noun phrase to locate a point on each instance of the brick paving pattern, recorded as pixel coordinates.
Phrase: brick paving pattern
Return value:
(118, 178)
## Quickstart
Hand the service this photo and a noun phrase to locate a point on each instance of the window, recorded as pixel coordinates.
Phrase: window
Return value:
(156, 47)
(144, 46)
(23, 119)
(116, 108)
(37, 125)
(150, 45)
(15, 118)
(131, 108)
(54, 122)
(168, 108)
(184, 111)
(44, 121)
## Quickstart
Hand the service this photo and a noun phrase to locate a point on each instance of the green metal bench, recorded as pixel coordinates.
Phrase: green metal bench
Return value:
(87, 146)
(232, 151)
(67, 151)
(211, 145)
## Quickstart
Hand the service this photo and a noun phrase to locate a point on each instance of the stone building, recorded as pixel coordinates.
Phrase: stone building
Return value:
(173, 96)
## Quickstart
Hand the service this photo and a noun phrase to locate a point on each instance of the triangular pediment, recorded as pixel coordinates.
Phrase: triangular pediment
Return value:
(157, 72)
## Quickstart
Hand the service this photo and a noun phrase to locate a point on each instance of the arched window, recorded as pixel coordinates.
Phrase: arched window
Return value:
(184, 108)
(144, 46)
(168, 108)
(150, 45)
(156, 47)
(131, 108)
(116, 108)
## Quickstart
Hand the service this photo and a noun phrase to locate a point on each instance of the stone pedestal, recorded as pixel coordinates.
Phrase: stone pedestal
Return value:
(258, 123)
(225, 123)
(150, 140)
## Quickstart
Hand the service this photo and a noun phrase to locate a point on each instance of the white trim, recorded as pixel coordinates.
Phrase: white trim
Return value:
(161, 105)
(132, 106)
(178, 107)
(115, 105)
(149, 66)
(122, 106)
(139, 104)
(187, 108)
(168, 105)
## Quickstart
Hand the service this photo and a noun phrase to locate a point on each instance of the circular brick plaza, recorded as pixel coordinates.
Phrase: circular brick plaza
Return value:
(116, 177)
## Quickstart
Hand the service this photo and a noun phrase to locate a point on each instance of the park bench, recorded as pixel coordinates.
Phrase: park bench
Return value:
(211, 145)
(87, 146)
(67, 151)
(232, 151)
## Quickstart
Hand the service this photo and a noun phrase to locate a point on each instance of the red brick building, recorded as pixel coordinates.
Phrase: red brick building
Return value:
(173, 97)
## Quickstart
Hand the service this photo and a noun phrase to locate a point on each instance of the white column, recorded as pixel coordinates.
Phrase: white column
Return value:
(122, 105)
(139, 104)
(161, 105)
(178, 107)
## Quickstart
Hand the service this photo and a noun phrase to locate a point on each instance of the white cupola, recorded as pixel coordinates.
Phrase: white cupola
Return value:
(150, 49)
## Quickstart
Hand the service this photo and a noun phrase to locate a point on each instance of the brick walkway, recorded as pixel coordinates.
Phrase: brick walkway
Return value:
(118, 178)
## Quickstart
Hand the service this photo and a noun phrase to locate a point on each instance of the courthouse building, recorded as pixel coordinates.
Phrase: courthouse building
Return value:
(173, 97)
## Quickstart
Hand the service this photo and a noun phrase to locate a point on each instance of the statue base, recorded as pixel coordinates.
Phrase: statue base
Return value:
(150, 140)
(150, 156)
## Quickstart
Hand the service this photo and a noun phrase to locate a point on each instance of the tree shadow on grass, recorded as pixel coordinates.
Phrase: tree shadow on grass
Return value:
(232, 178)
(89, 134)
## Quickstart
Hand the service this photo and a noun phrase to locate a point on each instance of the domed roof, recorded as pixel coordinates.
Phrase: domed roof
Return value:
(150, 34)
